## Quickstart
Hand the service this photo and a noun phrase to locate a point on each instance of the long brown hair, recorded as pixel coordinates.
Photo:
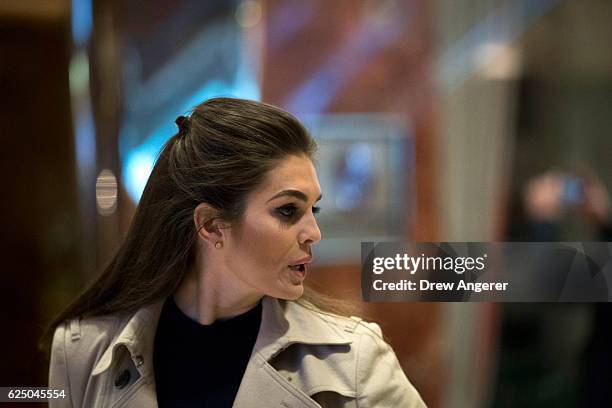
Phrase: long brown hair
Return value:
(221, 153)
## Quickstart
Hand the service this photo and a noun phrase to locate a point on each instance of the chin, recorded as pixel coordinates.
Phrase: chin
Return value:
(293, 293)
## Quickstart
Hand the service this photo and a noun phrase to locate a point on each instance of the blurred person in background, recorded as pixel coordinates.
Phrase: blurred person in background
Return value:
(548, 198)
(562, 351)
(204, 304)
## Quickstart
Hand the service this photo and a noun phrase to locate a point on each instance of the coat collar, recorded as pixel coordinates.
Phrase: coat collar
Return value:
(286, 322)
(137, 335)
(283, 323)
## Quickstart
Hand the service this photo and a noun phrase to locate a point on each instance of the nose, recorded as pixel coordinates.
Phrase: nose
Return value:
(310, 234)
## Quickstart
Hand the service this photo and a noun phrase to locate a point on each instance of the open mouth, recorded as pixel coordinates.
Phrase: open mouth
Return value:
(298, 268)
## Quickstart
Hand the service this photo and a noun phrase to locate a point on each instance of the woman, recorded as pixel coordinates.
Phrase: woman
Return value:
(204, 304)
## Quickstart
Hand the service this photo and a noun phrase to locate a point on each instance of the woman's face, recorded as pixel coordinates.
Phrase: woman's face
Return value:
(277, 231)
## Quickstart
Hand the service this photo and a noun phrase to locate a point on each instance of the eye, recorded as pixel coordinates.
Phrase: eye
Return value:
(288, 211)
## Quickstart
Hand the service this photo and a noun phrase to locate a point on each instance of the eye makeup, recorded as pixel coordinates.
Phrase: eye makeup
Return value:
(292, 212)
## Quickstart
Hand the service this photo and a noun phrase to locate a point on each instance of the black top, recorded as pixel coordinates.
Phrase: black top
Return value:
(201, 365)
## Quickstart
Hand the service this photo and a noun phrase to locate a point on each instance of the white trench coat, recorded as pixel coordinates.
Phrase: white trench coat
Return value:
(301, 358)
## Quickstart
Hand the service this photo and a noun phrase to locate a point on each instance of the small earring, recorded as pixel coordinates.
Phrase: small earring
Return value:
(218, 245)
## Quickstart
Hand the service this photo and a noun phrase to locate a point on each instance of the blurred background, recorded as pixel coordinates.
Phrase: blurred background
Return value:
(471, 120)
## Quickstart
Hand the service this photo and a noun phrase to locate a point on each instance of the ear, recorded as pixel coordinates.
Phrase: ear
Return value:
(208, 224)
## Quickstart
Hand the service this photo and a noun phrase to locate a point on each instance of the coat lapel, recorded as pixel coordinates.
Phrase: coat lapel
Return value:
(140, 394)
(282, 325)
(131, 351)
(263, 386)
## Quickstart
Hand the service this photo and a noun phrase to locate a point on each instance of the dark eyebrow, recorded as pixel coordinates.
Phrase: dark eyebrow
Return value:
(293, 193)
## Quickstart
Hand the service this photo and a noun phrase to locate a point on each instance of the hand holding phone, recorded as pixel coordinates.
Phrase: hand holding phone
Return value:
(573, 191)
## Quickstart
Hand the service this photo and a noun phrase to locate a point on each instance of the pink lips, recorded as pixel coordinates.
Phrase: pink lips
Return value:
(300, 268)
(304, 261)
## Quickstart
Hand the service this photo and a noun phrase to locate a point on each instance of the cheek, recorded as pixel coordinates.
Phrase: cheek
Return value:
(266, 242)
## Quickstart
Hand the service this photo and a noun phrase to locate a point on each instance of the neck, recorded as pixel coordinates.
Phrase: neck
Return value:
(208, 294)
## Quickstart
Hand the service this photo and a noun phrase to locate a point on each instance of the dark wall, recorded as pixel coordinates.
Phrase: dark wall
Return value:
(38, 208)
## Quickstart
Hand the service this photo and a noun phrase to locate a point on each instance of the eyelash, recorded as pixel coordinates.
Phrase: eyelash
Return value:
(293, 208)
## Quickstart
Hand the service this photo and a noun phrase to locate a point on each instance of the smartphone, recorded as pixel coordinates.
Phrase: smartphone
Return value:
(573, 191)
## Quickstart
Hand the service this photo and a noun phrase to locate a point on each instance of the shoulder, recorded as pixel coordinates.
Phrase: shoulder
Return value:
(347, 342)
(90, 336)
(364, 365)
(85, 335)
(352, 327)
(367, 344)
(77, 346)
(78, 343)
